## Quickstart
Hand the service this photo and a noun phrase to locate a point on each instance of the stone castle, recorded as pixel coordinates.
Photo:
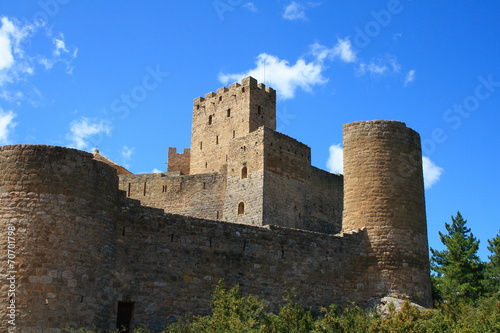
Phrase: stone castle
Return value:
(85, 243)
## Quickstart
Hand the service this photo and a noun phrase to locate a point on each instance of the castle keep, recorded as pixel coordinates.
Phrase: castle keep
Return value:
(239, 169)
(93, 245)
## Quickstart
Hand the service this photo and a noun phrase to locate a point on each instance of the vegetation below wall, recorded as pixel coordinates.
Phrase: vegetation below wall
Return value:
(232, 312)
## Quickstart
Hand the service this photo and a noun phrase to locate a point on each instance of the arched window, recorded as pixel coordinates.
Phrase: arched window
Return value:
(244, 172)
(229, 112)
(241, 208)
(210, 120)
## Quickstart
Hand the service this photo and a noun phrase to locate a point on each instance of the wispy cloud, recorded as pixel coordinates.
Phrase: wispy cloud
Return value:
(14, 63)
(18, 62)
(432, 172)
(127, 155)
(85, 132)
(410, 77)
(7, 125)
(251, 7)
(294, 11)
(335, 162)
(286, 78)
(342, 50)
(60, 45)
(379, 66)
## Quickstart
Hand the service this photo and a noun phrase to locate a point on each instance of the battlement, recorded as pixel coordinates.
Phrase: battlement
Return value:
(227, 114)
(248, 82)
(179, 161)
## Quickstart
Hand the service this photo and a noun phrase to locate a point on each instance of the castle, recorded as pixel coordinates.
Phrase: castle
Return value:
(88, 244)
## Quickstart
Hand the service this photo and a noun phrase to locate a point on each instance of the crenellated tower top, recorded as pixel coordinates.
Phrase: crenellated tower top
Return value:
(229, 113)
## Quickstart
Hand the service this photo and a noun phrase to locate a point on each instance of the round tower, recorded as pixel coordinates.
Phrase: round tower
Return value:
(384, 193)
(57, 213)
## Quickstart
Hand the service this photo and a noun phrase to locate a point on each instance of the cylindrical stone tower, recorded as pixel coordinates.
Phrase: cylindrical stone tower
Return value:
(57, 216)
(384, 192)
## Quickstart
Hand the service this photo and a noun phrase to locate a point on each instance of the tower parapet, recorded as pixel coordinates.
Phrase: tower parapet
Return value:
(384, 192)
(228, 114)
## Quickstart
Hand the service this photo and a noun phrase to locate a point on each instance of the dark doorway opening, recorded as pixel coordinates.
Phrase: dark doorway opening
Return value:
(124, 316)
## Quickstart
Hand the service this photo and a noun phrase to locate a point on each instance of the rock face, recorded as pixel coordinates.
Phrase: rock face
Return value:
(80, 250)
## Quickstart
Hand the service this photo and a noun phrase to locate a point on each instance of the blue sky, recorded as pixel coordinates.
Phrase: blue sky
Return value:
(121, 76)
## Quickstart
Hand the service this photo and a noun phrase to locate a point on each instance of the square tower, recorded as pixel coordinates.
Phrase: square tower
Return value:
(228, 114)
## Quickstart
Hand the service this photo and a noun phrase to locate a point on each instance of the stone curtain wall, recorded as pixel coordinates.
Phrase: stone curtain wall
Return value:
(191, 195)
(169, 265)
(296, 194)
(63, 206)
(384, 192)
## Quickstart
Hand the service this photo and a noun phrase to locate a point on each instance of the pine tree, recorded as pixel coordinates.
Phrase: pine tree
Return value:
(492, 268)
(459, 271)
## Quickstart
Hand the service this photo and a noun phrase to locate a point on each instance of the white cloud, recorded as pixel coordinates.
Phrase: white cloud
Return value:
(342, 50)
(6, 57)
(13, 61)
(127, 152)
(286, 78)
(397, 36)
(7, 124)
(379, 66)
(294, 11)
(155, 170)
(335, 162)
(410, 77)
(251, 7)
(127, 155)
(279, 74)
(17, 61)
(432, 172)
(85, 131)
(60, 45)
(371, 68)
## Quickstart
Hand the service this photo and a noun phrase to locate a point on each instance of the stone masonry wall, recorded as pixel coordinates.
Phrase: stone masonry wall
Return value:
(384, 192)
(297, 194)
(243, 202)
(179, 161)
(169, 265)
(220, 117)
(190, 195)
(62, 205)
